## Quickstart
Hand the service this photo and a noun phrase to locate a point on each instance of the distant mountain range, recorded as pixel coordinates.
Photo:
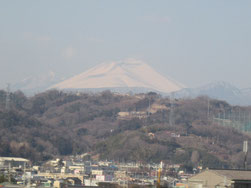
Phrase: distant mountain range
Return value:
(132, 76)
(35, 84)
(218, 90)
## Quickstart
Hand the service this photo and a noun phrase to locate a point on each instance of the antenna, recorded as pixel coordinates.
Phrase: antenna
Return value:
(7, 99)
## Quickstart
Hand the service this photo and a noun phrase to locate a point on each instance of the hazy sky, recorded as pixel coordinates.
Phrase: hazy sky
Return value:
(193, 42)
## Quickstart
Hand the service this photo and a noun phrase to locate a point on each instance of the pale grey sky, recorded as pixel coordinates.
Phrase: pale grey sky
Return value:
(193, 42)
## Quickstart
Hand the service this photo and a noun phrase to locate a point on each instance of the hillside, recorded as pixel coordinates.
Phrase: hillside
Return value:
(142, 127)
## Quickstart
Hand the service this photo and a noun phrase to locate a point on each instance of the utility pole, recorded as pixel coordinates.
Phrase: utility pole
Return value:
(239, 114)
(233, 115)
(249, 121)
(7, 99)
(9, 178)
(208, 108)
(171, 110)
(245, 150)
(24, 176)
(224, 117)
(149, 107)
(244, 123)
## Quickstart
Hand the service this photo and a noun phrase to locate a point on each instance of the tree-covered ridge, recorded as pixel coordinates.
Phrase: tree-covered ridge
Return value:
(142, 127)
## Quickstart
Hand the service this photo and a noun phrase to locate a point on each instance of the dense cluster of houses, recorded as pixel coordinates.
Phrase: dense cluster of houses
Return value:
(80, 171)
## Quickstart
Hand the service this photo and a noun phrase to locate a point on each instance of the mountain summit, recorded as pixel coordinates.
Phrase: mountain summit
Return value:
(128, 74)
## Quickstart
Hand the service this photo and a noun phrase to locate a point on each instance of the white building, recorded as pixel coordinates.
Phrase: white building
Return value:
(13, 162)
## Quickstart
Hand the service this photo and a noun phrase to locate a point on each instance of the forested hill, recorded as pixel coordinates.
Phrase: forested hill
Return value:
(142, 127)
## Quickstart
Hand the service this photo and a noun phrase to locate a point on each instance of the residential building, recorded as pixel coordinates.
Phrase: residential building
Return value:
(212, 178)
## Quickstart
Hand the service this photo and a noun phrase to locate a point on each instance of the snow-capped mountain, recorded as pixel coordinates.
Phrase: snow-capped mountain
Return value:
(131, 76)
(218, 90)
(123, 75)
(37, 83)
(246, 91)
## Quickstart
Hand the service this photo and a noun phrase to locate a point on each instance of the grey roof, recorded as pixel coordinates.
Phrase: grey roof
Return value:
(234, 174)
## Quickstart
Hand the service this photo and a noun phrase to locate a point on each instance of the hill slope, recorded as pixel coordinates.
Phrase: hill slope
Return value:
(119, 127)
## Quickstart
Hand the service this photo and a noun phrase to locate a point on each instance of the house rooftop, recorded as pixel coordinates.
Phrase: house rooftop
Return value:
(233, 174)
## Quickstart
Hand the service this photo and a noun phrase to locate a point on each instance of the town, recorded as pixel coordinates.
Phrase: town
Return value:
(83, 171)
(125, 94)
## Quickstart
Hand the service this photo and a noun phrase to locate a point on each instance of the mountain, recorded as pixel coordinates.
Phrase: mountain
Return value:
(132, 76)
(219, 90)
(128, 75)
(246, 91)
(37, 83)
